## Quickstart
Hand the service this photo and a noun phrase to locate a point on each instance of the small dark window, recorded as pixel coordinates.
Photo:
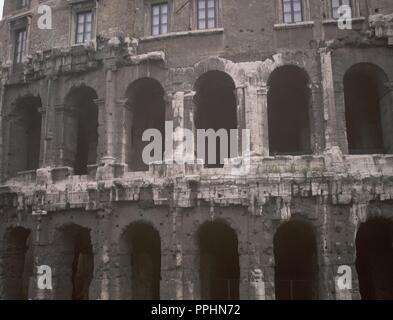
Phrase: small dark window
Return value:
(336, 4)
(84, 27)
(207, 14)
(20, 45)
(21, 4)
(292, 11)
(159, 19)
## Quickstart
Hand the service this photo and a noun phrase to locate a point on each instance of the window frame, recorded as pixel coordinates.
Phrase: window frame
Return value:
(332, 9)
(159, 5)
(20, 52)
(85, 23)
(283, 13)
(206, 15)
(22, 4)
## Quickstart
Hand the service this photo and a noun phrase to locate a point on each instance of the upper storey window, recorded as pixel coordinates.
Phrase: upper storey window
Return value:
(84, 28)
(207, 14)
(20, 45)
(336, 4)
(292, 11)
(83, 22)
(159, 18)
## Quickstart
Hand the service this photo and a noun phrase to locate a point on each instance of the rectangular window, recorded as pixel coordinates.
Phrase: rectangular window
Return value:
(292, 11)
(337, 4)
(207, 10)
(20, 45)
(84, 27)
(21, 4)
(159, 19)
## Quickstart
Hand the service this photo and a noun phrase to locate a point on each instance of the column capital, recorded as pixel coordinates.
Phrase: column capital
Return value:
(189, 94)
(99, 101)
(43, 110)
(122, 102)
(263, 90)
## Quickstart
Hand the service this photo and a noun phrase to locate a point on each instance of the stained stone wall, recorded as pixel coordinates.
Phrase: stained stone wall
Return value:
(86, 227)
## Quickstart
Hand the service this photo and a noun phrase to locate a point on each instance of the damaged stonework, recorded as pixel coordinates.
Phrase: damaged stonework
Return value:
(382, 26)
(76, 195)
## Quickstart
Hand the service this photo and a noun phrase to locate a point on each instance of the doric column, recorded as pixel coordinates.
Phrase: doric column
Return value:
(263, 121)
(66, 153)
(386, 102)
(110, 119)
(181, 104)
(43, 256)
(100, 103)
(103, 286)
(329, 104)
(341, 134)
(124, 129)
(317, 141)
(241, 114)
(256, 119)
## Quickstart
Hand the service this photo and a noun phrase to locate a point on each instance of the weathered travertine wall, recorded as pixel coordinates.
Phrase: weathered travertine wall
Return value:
(50, 215)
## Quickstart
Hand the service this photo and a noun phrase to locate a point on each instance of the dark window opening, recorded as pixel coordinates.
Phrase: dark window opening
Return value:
(219, 262)
(17, 264)
(216, 108)
(75, 263)
(146, 100)
(296, 266)
(367, 113)
(374, 259)
(288, 112)
(25, 135)
(81, 127)
(141, 263)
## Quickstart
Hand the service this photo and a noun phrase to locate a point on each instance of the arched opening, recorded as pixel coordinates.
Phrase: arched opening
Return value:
(17, 264)
(25, 135)
(75, 264)
(219, 268)
(374, 259)
(216, 109)
(288, 111)
(140, 263)
(81, 129)
(367, 110)
(147, 104)
(296, 262)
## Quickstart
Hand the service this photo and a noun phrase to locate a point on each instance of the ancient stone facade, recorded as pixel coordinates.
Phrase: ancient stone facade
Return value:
(75, 195)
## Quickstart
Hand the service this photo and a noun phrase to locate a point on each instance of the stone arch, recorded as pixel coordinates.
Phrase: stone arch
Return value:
(17, 263)
(289, 101)
(147, 110)
(368, 110)
(81, 128)
(374, 259)
(75, 262)
(296, 261)
(25, 135)
(213, 64)
(216, 109)
(219, 267)
(140, 262)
